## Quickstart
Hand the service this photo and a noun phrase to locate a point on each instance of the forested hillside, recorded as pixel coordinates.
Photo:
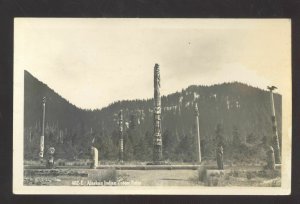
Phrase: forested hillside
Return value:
(239, 113)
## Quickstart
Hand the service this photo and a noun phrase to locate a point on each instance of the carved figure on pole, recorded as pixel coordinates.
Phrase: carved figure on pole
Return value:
(274, 128)
(121, 136)
(197, 131)
(42, 139)
(157, 143)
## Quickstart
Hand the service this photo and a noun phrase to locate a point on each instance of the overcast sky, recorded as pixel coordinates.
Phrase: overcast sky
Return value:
(94, 62)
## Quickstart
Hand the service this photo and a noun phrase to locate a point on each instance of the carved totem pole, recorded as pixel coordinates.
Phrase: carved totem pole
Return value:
(121, 135)
(274, 127)
(41, 154)
(197, 132)
(157, 143)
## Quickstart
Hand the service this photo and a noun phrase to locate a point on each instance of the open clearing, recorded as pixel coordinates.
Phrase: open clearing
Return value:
(162, 177)
(179, 177)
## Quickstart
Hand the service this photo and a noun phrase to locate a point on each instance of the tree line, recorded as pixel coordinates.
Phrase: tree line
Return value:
(235, 114)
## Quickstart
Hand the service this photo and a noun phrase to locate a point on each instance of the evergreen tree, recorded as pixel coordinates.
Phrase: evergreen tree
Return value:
(236, 137)
(128, 150)
(169, 144)
(251, 138)
(140, 150)
(108, 151)
(187, 148)
(219, 139)
(133, 122)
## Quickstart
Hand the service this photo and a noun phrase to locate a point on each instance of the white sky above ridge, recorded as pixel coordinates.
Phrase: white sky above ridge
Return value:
(94, 62)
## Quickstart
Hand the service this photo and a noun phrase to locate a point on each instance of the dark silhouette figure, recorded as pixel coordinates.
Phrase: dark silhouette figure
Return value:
(219, 153)
(270, 158)
(50, 160)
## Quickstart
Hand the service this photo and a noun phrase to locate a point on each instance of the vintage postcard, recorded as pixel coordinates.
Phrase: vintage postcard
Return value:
(152, 106)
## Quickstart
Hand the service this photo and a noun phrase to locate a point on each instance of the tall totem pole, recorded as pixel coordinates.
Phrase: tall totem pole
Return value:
(120, 122)
(274, 127)
(157, 143)
(197, 132)
(41, 154)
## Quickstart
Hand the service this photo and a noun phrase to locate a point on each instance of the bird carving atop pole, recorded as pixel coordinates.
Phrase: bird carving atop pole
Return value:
(271, 88)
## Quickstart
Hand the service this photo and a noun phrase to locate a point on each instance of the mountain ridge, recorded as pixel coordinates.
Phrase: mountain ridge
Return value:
(71, 128)
(138, 99)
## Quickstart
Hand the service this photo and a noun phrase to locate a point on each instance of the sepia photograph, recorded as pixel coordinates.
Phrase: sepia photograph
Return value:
(152, 106)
